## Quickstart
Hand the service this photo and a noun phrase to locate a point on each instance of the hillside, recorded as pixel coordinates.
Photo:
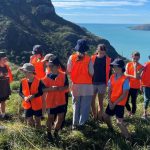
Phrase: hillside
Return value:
(24, 23)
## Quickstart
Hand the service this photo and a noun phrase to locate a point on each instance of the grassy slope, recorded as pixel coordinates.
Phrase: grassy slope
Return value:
(95, 136)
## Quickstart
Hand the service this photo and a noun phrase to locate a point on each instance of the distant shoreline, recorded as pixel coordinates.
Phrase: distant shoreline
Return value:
(145, 27)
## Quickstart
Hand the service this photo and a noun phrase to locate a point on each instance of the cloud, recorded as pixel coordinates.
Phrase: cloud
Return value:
(97, 3)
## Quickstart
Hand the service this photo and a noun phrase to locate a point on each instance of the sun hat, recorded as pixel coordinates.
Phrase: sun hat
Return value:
(28, 67)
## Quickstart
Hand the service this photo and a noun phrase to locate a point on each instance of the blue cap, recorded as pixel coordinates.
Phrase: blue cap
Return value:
(37, 49)
(82, 46)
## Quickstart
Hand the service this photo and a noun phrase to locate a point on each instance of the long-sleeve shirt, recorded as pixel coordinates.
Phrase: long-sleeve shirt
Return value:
(40, 90)
(81, 89)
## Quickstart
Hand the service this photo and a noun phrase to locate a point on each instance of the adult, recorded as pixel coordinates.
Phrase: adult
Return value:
(80, 69)
(132, 71)
(100, 78)
(146, 87)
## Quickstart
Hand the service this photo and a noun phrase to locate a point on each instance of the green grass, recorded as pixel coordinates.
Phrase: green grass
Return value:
(95, 136)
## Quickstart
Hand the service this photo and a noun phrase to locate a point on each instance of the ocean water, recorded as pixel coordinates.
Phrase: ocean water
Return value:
(123, 39)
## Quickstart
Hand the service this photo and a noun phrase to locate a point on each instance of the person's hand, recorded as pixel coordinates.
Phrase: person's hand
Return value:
(27, 99)
(55, 88)
(30, 97)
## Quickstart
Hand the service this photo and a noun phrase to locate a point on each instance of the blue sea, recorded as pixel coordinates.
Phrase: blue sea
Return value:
(123, 39)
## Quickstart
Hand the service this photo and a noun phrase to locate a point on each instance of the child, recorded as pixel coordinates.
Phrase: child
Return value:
(146, 87)
(46, 62)
(57, 84)
(118, 88)
(31, 92)
(36, 61)
(132, 69)
(100, 78)
(5, 79)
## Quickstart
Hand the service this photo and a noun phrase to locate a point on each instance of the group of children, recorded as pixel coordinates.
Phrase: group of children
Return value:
(45, 87)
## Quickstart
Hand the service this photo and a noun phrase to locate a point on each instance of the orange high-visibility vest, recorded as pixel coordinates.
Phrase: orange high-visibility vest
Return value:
(108, 62)
(80, 70)
(146, 75)
(117, 89)
(134, 83)
(39, 67)
(48, 70)
(55, 98)
(9, 73)
(36, 103)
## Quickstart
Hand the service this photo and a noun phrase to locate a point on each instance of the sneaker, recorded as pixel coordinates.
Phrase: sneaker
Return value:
(130, 114)
(5, 117)
(50, 137)
(56, 135)
(74, 127)
(144, 117)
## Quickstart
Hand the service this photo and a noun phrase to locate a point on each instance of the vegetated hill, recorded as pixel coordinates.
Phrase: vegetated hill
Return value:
(24, 23)
(145, 27)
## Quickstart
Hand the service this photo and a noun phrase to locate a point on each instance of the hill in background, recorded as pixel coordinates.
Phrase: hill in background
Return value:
(24, 23)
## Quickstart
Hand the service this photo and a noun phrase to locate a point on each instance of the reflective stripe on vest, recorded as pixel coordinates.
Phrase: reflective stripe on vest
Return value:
(134, 83)
(39, 67)
(146, 75)
(9, 73)
(55, 98)
(80, 70)
(108, 62)
(36, 103)
(117, 89)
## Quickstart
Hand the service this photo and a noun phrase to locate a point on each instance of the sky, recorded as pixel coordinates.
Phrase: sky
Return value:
(104, 11)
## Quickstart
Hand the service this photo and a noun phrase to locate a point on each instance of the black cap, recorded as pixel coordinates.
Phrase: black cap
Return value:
(2, 55)
(118, 62)
(37, 49)
(82, 46)
(54, 61)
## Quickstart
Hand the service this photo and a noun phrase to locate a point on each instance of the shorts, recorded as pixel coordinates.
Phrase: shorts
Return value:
(99, 88)
(118, 111)
(57, 110)
(30, 113)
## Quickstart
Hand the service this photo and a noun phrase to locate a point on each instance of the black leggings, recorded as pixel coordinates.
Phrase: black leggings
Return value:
(133, 93)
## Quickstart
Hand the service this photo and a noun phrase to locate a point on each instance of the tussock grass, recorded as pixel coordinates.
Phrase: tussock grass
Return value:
(95, 135)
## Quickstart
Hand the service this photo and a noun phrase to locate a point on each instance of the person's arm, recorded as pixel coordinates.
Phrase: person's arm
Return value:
(50, 89)
(69, 65)
(91, 68)
(125, 92)
(109, 90)
(20, 92)
(40, 90)
(66, 85)
(129, 75)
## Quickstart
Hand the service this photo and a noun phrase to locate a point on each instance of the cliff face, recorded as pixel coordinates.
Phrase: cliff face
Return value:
(24, 23)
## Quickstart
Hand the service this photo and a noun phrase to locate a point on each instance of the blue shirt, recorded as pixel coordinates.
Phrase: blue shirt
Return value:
(126, 84)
